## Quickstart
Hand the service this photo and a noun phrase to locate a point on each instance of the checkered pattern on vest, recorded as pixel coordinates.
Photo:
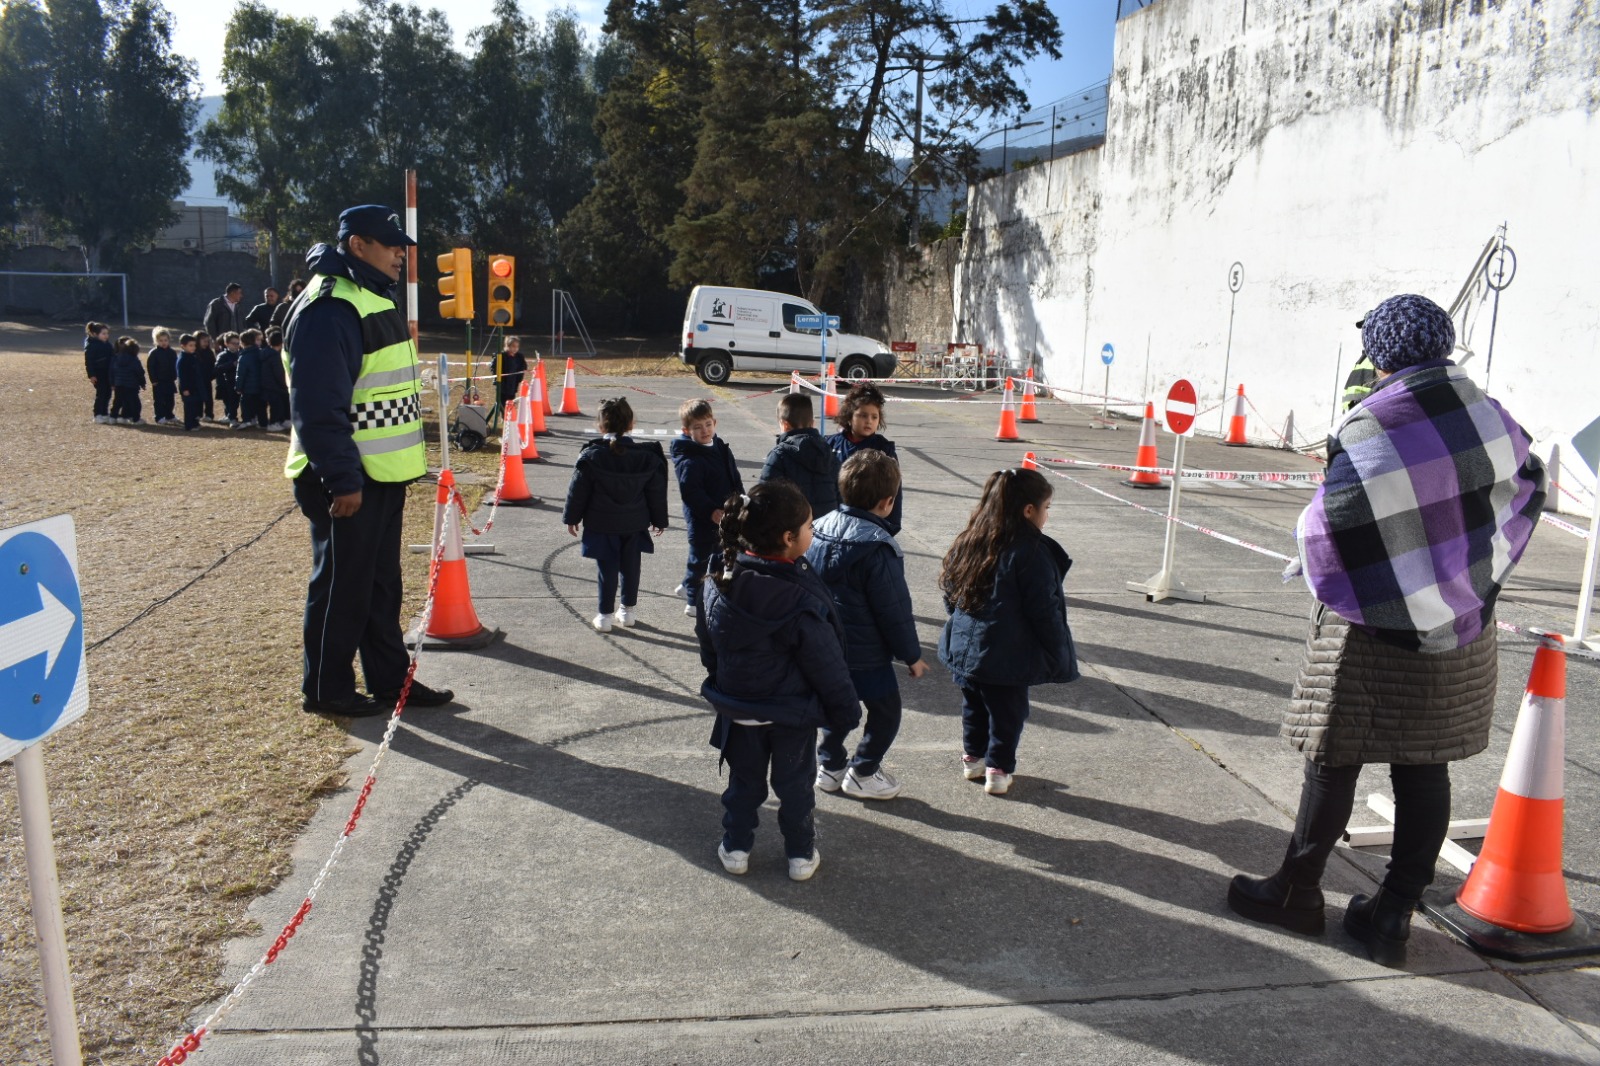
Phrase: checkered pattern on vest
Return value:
(396, 412)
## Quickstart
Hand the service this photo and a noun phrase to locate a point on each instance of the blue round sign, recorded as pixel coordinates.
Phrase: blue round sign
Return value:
(1107, 354)
(41, 609)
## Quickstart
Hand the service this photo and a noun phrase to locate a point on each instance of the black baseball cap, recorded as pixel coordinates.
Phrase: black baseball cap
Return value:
(376, 223)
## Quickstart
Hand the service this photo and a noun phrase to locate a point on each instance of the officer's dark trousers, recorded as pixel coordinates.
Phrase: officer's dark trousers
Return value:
(353, 599)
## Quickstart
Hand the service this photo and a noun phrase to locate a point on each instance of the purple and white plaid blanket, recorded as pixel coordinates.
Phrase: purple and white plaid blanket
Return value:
(1431, 495)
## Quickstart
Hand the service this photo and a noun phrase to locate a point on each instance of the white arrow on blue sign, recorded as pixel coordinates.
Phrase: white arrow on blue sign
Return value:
(43, 683)
(1107, 353)
(815, 321)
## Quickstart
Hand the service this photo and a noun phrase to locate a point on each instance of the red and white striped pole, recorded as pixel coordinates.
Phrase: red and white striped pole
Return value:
(411, 253)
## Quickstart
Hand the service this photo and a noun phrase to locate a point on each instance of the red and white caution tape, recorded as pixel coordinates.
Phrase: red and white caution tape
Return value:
(1568, 526)
(1547, 639)
(191, 1041)
(1310, 476)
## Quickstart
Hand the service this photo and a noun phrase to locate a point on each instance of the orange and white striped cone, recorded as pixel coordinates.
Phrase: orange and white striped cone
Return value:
(1030, 413)
(513, 482)
(536, 406)
(454, 622)
(1514, 903)
(1008, 415)
(1030, 461)
(1235, 437)
(794, 382)
(530, 450)
(1146, 455)
(544, 387)
(830, 396)
(569, 391)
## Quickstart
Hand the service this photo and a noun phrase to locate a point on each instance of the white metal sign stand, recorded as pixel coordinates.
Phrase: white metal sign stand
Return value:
(1180, 412)
(43, 686)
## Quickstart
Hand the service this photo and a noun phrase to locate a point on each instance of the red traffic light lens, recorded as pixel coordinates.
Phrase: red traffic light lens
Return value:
(500, 268)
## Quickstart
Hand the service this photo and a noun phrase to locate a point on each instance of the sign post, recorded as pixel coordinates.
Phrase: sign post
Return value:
(43, 686)
(1180, 412)
(820, 323)
(1235, 283)
(1586, 442)
(1107, 355)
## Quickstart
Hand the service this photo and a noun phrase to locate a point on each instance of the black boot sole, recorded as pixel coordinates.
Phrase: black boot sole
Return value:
(1383, 950)
(1311, 923)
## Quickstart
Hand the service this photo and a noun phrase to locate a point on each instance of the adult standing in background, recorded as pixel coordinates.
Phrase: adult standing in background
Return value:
(225, 313)
(282, 309)
(260, 316)
(355, 444)
(1431, 495)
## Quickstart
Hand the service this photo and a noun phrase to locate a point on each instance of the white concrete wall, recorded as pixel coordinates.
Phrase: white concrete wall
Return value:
(1342, 151)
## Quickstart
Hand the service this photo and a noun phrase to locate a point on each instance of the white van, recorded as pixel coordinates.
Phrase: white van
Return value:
(752, 329)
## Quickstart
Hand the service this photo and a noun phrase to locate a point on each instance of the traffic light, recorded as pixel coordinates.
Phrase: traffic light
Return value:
(502, 290)
(455, 283)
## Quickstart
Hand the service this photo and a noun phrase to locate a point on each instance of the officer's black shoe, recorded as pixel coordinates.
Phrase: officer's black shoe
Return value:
(1383, 923)
(356, 706)
(421, 696)
(1276, 901)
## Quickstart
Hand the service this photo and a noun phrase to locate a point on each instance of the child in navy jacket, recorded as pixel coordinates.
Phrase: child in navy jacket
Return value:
(162, 366)
(1008, 620)
(227, 369)
(190, 375)
(858, 559)
(127, 380)
(97, 353)
(860, 418)
(773, 651)
(801, 455)
(618, 494)
(707, 475)
(247, 379)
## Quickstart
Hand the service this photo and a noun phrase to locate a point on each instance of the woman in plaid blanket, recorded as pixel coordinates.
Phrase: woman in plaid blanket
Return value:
(1431, 495)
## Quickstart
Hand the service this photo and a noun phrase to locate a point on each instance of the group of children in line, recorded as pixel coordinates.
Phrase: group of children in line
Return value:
(246, 374)
(799, 592)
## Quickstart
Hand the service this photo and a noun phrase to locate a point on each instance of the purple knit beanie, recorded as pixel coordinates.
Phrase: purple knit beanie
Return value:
(1406, 330)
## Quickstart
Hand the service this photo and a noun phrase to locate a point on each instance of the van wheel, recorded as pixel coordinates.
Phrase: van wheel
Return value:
(856, 368)
(714, 368)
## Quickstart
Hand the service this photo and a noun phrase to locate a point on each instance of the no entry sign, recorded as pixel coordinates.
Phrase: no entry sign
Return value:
(1181, 406)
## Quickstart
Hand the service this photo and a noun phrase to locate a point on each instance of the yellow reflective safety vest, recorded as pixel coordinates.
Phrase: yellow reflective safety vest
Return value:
(385, 406)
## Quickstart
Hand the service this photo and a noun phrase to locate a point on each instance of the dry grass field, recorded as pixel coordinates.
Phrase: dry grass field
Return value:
(176, 799)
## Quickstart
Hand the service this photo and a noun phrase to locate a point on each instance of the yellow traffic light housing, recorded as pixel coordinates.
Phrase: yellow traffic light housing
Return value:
(455, 284)
(502, 290)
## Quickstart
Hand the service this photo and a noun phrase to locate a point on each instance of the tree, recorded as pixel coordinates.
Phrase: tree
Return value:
(273, 82)
(98, 117)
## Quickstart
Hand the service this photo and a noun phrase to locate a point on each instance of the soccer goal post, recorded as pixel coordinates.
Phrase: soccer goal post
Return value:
(11, 275)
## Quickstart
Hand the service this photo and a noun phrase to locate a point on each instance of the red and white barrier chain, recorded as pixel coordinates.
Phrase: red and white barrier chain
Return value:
(1313, 476)
(1548, 640)
(192, 1040)
(1568, 526)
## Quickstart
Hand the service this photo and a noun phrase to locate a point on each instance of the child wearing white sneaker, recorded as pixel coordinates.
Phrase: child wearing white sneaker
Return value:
(859, 560)
(618, 494)
(707, 475)
(773, 650)
(1008, 620)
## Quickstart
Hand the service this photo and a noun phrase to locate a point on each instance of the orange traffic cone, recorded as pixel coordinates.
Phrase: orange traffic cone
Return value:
(1008, 415)
(1029, 462)
(569, 391)
(1235, 436)
(830, 396)
(544, 387)
(1514, 904)
(1029, 412)
(513, 482)
(454, 623)
(536, 406)
(530, 450)
(1146, 455)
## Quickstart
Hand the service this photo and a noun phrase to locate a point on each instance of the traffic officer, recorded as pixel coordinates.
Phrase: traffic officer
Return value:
(1363, 377)
(356, 443)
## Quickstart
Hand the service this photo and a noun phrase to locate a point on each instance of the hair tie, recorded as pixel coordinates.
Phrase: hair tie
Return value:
(743, 499)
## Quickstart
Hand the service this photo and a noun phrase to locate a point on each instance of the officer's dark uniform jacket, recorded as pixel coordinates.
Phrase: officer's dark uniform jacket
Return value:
(353, 378)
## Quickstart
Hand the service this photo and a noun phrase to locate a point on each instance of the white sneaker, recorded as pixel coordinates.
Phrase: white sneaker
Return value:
(802, 869)
(602, 623)
(688, 609)
(876, 786)
(681, 591)
(627, 616)
(997, 782)
(738, 862)
(101, 420)
(971, 769)
(829, 780)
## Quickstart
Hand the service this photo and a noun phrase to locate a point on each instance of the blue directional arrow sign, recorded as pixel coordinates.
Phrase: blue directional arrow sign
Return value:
(1107, 353)
(43, 684)
(815, 321)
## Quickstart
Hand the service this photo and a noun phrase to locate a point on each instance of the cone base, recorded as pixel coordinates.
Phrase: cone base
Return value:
(485, 636)
(1580, 938)
(1236, 444)
(526, 501)
(1156, 484)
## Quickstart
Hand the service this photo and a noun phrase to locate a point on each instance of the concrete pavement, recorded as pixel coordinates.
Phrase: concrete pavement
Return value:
(535, 877)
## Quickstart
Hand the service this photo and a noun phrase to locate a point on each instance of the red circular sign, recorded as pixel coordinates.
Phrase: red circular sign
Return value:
(1181, 406)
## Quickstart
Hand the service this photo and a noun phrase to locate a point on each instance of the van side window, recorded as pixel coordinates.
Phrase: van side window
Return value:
(789, 311)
